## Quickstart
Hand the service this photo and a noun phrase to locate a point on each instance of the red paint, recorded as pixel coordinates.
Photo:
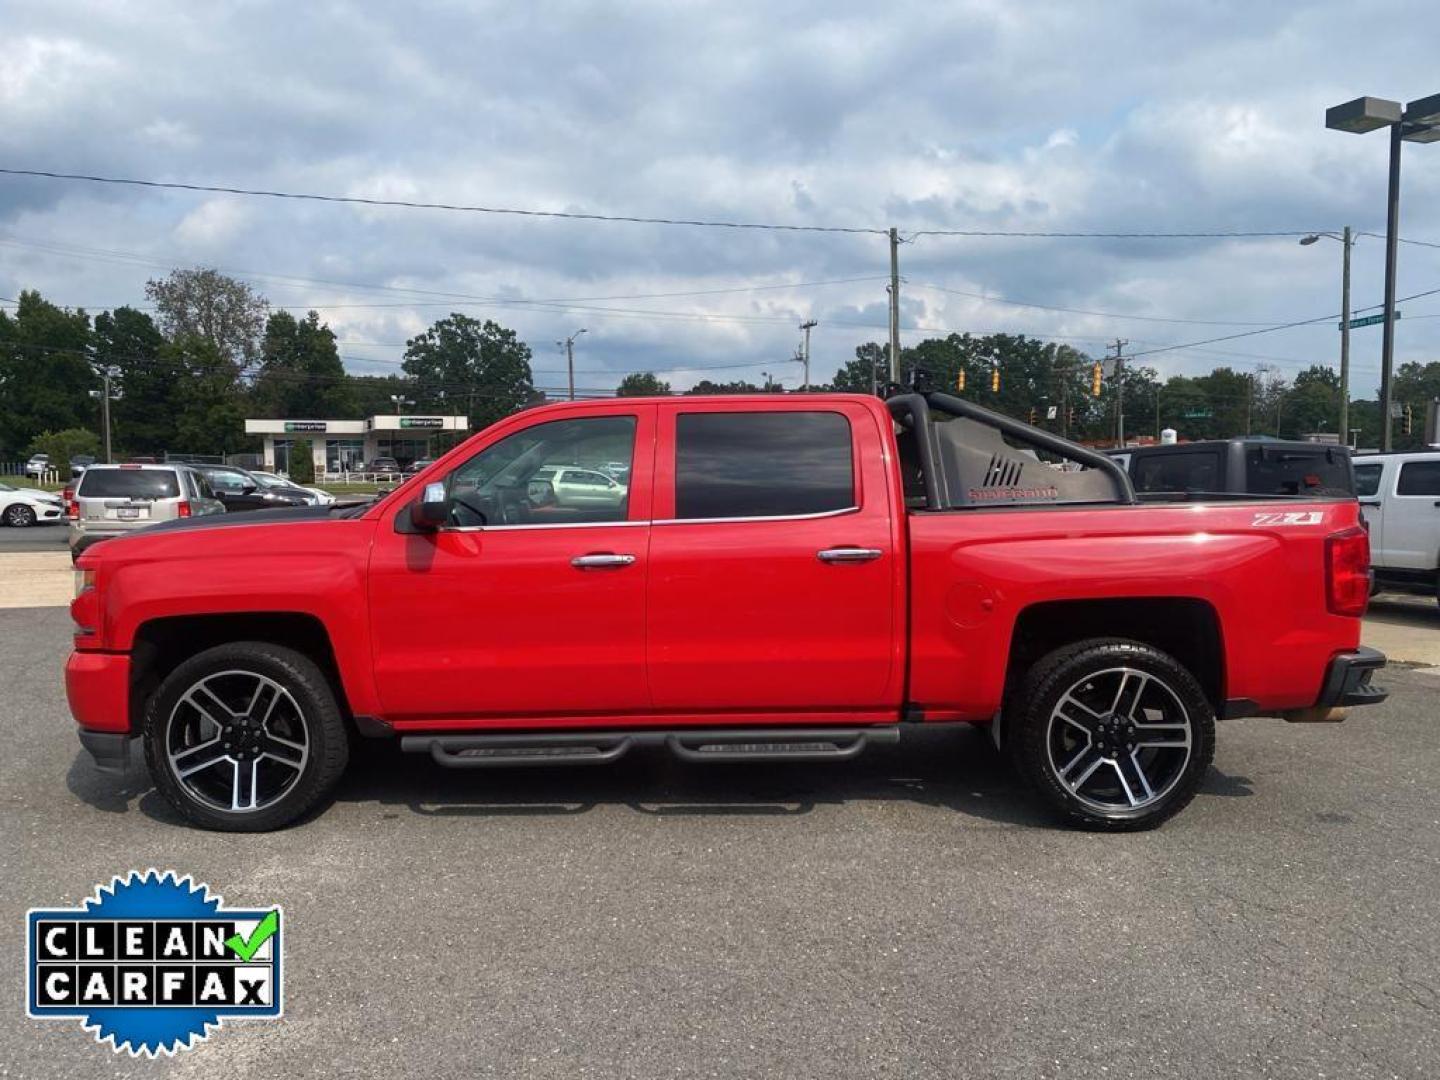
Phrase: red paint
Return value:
(728, 622)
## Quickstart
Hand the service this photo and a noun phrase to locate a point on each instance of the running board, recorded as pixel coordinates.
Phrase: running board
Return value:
(602, 747)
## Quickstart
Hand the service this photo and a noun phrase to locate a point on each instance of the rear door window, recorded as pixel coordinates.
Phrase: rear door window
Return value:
(128, 484)
(763, 464)
(1323, 472)
(1367, 480)
(1419, 478)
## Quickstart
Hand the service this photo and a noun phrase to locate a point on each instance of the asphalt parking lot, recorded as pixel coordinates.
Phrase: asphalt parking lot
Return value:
(35, 538)
(908, 915)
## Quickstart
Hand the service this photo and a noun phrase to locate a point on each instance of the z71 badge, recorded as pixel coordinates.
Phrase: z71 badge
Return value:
(151, 963)
(1291, 517)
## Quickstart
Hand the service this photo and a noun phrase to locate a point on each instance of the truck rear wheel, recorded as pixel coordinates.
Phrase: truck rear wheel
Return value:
(1114, 734)
(245, 737)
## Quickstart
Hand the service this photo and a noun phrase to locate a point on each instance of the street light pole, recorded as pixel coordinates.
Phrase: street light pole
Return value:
(1418, 122)
(1392, 234)
(1348, 240)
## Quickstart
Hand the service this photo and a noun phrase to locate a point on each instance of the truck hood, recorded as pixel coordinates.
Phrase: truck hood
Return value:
(285, 515)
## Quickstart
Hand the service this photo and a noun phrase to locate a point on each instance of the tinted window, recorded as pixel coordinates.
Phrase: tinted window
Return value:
(228, 480)
(762, 464)
(1275, 470)
(128, 484)
(1419, 478)
(1176, 472)
(1367, 479)
(513, 482)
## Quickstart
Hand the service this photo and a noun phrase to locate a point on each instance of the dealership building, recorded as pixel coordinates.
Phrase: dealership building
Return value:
(337, 446)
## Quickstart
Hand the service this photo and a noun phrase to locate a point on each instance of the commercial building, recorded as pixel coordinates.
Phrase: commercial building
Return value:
(338, 446)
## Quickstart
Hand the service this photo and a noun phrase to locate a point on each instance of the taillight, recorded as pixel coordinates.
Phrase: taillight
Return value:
(182, 509)
(72, 508)
(1347, 571)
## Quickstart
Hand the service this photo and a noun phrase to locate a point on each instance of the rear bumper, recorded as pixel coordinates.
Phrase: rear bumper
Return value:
(1347, 682)
(97, 686)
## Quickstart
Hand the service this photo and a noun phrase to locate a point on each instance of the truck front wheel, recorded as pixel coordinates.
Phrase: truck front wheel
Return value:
(1114, 734)
(245, 737)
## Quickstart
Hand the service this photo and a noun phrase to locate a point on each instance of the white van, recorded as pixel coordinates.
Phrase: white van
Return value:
(1400, 501)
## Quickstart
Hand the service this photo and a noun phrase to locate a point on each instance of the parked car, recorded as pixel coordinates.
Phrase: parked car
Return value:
(1240, 466)
(418, 465)
(115, 500)
(569, 486)
(23, 507)
(38, 465)
(1400, 501)
(383, 466)
(789, 578)
(241, 490)
(79, 463)
(273, 482)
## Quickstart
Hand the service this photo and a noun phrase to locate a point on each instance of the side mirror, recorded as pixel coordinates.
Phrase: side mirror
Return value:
(247, 489)
(430, 511)
(540, 493)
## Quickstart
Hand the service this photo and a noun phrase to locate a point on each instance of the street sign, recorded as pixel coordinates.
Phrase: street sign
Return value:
(1197, 414)
(1368, 320)
(1051, 411)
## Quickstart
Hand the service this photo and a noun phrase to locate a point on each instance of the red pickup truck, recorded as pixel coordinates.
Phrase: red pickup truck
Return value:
(771, 577)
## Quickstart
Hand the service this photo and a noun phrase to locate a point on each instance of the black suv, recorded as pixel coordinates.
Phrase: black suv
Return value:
(1253, 465)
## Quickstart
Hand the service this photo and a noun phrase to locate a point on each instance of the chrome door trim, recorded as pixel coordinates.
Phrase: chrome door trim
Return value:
(762, 517)
(547, 525)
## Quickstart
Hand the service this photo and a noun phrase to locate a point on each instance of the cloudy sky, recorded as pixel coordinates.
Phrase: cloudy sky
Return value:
(1112, 116)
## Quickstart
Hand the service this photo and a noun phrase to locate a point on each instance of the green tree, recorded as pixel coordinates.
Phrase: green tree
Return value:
(63, 445)
(45, 372)
(705, 386)
(1312, 403)
(460, 359)
(642, 384)
(143, 384)
(867, 372)
(300, 373)
(204, 303)
(209, 403)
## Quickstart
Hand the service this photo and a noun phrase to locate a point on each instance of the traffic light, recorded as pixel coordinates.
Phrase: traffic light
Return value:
(1409, 420)
(960, 381)
(1032, 415)
(1095, 380)
(1070, 422)
(995, 380)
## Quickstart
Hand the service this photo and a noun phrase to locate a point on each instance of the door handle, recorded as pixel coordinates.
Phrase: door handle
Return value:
(600, 559)
(1374, 502)
(848, 554)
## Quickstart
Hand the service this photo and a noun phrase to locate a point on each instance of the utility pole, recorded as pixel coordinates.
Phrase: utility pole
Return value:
(1119, 348)
(807, 326)
(1345, 340)
(569, 346)
(104, 395)
(105, 411)
(895, 306)
(1065, 401)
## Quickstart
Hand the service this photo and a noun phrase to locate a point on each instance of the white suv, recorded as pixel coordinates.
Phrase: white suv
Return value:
(1400, 501)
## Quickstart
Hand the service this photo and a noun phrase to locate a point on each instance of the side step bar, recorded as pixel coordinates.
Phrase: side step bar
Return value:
(487, 751)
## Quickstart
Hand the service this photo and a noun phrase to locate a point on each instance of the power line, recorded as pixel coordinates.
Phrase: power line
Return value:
(409, 204)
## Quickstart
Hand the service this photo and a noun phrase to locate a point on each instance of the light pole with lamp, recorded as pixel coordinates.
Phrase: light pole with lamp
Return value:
(1417, 122)
(1348, 240)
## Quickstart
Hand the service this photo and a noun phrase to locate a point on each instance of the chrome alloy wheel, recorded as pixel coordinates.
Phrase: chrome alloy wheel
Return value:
(1119, 740)
(236, 741)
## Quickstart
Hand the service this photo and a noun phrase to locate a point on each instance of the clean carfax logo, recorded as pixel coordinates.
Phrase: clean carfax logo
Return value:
(152, 962)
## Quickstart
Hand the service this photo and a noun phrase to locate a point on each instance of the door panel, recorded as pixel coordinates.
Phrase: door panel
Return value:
(1372, 486)
(1412, 516)
(744, 613)
(499, 621)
